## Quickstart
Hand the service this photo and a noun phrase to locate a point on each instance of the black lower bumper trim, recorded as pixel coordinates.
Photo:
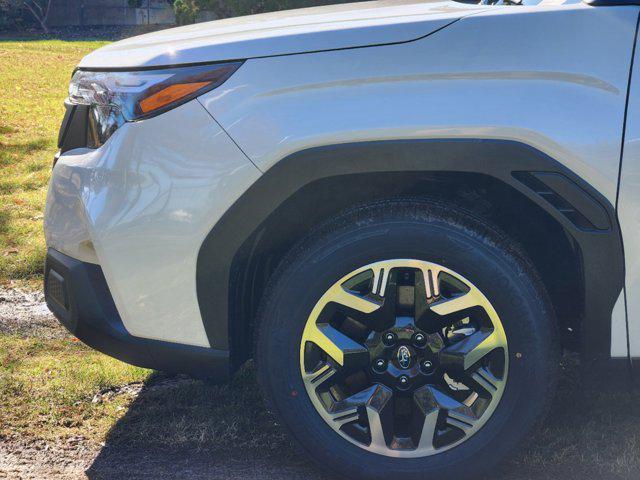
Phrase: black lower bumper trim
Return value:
(77, 294)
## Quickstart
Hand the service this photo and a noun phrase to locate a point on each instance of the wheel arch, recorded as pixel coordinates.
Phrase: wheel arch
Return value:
(568, 229)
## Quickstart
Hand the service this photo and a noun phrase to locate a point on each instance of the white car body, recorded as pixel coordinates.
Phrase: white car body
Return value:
(554, 77)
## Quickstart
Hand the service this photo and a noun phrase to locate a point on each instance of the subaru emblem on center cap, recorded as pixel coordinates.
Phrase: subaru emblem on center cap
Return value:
(404, 357)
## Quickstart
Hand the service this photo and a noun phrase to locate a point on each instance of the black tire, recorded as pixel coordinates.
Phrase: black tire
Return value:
(408, 228)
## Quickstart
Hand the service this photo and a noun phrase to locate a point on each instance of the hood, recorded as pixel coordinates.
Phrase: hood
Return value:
(281, 33)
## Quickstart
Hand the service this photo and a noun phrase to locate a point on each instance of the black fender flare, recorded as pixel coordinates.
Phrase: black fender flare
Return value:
(584, 212)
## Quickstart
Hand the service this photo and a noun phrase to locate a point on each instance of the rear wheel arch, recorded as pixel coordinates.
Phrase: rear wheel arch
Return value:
(486, 177)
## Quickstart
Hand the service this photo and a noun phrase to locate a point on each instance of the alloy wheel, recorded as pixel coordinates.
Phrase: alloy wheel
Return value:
(404, 358)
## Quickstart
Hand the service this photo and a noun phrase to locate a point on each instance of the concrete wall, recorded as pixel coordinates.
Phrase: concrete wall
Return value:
(110, 12)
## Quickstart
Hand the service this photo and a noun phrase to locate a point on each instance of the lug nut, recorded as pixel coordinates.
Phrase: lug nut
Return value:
(379, 365)
(403, 381)
(427, 366)
(389, 339)
(419, 340)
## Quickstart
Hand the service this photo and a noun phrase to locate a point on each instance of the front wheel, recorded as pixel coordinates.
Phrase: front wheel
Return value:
(407, 338)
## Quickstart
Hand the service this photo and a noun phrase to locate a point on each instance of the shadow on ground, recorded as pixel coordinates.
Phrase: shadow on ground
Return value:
(183, 428)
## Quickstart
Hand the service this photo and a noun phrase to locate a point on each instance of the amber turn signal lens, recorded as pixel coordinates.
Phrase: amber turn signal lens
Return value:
(169, 95)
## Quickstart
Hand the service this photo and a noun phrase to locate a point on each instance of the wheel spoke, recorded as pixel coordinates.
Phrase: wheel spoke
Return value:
(345, 416)
(380, 415)
(457, 303)
(463, 422)
(379, 409)
(432, 322)
(320, 375)
(380, 280)
(428, 409)
(339, 294)
(485, 379)
(344, 350)
(446, 312)
(426, 290)
(468, 351)
(431, 282)
(432, 402)
(429, 428)
(377, 320)
(364, 309)
(384, 287)
(458, 414)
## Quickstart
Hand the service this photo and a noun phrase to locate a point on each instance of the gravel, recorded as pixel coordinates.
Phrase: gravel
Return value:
(26, 314)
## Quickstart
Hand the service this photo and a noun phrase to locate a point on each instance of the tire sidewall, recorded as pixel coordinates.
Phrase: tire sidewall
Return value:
(471, 252)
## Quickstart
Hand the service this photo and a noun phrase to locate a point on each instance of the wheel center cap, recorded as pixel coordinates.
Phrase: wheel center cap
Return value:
(403, 356)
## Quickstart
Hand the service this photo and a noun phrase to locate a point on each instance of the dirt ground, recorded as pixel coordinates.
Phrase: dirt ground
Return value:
(593, 431)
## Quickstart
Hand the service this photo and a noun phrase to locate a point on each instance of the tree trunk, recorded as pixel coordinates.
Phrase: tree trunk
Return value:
(42, 17)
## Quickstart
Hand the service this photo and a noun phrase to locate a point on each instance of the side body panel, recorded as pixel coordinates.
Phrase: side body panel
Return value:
(629, 208)
(538, 76)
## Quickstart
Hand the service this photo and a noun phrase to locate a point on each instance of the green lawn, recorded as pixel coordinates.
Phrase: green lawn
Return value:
(55, 389)
(47, 388)
(33, 84)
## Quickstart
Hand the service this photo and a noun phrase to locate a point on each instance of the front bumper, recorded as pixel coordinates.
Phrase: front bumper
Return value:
(77, 294)
(133, 214)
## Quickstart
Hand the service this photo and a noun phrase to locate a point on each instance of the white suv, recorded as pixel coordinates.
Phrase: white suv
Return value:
(401, 210)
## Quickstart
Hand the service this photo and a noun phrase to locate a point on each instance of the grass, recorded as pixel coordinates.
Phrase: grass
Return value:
(592, 431)
(33, 84)
(47, 389)
(52, 390)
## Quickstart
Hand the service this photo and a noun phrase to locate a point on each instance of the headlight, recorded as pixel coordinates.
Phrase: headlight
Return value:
(114, 98)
